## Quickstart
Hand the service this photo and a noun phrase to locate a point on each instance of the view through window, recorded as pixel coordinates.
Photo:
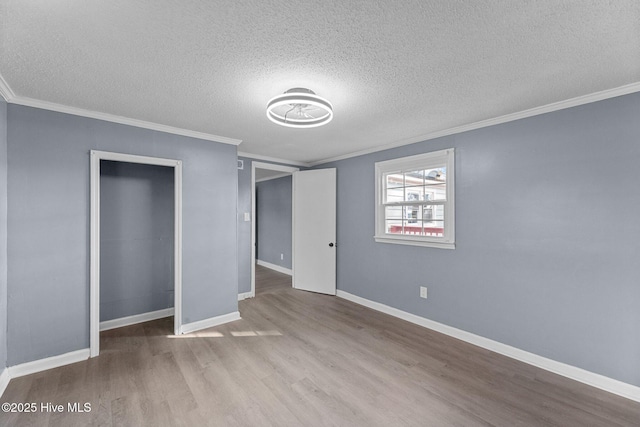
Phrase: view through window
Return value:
(415, 199)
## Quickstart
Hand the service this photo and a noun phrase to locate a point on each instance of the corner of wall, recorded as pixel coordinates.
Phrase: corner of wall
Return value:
(4, 376)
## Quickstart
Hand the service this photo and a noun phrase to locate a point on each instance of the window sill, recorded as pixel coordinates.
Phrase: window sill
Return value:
(414, 242)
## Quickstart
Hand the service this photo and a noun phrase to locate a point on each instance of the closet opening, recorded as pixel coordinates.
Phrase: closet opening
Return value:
(136, 241)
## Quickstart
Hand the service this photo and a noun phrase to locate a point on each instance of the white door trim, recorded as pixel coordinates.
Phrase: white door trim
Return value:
(94, 305)
(270, 166)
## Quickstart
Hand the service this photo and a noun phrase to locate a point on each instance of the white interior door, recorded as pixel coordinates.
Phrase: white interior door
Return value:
(314, 231)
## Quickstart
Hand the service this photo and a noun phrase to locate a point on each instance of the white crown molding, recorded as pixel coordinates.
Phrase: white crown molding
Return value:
(135, 319)
(578, 374)
(187, 328)
(273, 159)
(11, 98)
(5, 90)
(536, 111)
(4, 380)
(48, 363)
(275, 267)
(45, 105)
(7, 93)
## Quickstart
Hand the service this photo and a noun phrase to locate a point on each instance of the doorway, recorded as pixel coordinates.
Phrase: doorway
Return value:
(96, 243)
(261, 172)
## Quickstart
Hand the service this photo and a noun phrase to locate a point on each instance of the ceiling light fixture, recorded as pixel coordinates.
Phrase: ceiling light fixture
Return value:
(299, 108)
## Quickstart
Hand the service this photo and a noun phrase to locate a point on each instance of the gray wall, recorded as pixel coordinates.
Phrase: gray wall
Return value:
(273, 213)
(136, 236)
(48, 185)
(3, 234)
(547, 237)
(244, 227)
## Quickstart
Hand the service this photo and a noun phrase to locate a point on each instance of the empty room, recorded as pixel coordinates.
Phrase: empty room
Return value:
(354, 213)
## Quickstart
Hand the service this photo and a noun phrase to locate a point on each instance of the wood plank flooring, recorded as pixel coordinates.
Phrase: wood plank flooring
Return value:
(303, 359)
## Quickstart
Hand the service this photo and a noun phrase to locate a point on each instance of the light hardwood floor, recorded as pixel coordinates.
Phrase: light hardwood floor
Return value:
(302, 359)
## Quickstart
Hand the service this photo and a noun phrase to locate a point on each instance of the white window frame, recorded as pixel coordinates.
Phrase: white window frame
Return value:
(421, 161)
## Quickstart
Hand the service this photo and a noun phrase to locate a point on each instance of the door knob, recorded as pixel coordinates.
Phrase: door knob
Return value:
(330, 245)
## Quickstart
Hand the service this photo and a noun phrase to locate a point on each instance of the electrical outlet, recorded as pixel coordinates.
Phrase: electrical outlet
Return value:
(423, 292)
(247, 216)
(281, 257)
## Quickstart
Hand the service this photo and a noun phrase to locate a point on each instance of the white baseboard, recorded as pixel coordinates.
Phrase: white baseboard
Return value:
(596, 380)
(4, 380)
(274, 267)
(245, 295)
(136, 318)
(48, 363)
(209, 323)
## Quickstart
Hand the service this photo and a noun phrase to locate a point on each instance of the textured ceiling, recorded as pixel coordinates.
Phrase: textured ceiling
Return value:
(394, 71)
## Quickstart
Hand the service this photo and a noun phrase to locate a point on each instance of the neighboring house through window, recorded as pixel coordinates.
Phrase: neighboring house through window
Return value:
(415, 200)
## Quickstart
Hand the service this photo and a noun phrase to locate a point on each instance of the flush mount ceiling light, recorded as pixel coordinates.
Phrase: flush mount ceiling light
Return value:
(299, 108)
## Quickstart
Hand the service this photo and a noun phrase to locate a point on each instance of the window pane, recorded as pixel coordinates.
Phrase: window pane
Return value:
(415, 228)
(414, 178)
(393, 226)
(435, 175)
(412, 227)
(419, 185)
(394, 195)
(433, 220)
(434, 228)
(413, 193)
(411, 213)
(393, 212)
(427, 213)
(395, 180)
(435, 184)
(435, 192)
(433, 212)
(408, 222)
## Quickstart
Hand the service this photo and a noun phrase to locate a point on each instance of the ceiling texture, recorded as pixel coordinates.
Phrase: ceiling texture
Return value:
(396, 72)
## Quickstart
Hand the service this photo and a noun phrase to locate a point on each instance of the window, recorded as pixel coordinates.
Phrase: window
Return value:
(414, 200)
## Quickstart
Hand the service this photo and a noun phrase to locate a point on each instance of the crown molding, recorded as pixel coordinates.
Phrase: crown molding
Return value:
(273, 159)
(11, 98)
(536, 111)
(5, 90)
(45, 105)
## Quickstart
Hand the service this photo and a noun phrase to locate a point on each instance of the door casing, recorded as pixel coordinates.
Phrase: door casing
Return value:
(286, 170)
(94, 275)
